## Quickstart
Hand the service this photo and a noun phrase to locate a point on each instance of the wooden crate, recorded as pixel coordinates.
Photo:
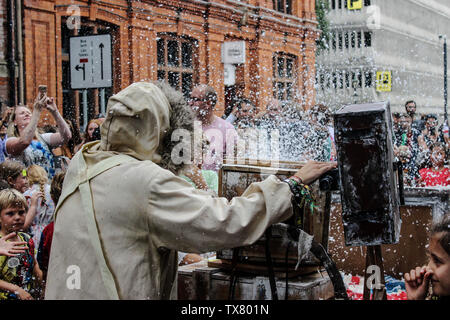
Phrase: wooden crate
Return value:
(200, 282)
(236, 175)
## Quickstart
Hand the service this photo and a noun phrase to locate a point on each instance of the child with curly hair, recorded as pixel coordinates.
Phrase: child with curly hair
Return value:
(43, 215)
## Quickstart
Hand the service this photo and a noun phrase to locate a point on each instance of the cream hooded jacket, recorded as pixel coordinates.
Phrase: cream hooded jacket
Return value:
(143, 212)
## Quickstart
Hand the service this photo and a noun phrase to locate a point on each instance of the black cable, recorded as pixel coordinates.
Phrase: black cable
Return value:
(340, 292)
(233, 276)
(287, 270)
(273, 285)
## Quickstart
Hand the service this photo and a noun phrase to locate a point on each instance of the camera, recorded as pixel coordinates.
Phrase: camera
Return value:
(329, 181)
(96, 134)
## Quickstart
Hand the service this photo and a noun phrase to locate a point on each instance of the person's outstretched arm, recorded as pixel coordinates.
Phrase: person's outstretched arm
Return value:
(190, 220)
(21, 293)
(64, 134)
(32, 209)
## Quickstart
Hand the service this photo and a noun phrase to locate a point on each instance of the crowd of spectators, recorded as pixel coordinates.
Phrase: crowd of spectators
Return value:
(422, 145)
(33, 162)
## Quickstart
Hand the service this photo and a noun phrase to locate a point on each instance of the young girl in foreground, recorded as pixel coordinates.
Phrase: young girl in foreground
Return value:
(437, 272)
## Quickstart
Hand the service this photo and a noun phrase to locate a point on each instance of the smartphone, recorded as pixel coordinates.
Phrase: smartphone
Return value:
(42, 91)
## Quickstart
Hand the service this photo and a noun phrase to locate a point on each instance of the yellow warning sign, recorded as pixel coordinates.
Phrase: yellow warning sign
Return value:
(384, 81)
(354, 4)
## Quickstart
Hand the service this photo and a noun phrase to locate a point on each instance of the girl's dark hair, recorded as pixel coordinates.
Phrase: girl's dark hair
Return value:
(56, 186)
(76, 136)
(3, 184)
(410, 101)
(443, 226)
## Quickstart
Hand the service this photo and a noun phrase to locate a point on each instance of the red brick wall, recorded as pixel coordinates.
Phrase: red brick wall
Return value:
(3, 53)
(137, 29)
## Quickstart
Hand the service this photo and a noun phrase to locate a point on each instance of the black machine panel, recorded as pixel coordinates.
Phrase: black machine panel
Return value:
(368, 187)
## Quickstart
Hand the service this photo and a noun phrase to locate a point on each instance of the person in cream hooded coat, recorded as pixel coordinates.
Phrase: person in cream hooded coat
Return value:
(123, 213)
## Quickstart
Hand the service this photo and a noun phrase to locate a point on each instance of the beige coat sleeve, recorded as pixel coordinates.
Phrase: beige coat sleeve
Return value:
(190, 220)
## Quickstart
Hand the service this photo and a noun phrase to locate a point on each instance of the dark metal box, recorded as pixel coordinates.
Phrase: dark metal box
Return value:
(368, 185)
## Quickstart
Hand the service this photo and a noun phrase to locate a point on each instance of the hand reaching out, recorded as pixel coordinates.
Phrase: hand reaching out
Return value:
(24, 295)
(313, 170)
(7, 113)
(234, 110)
(35, 198)
(40, 102)
(51, 105)
(11, 248)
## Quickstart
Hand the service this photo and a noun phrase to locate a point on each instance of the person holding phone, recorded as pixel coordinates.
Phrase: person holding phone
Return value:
(26, 144)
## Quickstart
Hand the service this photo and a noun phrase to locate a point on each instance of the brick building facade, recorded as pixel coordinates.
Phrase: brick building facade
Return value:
(4, 67)
(179, 41)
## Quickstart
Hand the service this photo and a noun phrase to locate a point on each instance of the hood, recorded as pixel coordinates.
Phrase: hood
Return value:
(137, 119)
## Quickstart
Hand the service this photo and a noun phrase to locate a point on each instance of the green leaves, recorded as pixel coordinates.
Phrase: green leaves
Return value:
(322, 8)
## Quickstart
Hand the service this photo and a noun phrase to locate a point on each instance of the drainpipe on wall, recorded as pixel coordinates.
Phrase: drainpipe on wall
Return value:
(19, 39)
(10, 53)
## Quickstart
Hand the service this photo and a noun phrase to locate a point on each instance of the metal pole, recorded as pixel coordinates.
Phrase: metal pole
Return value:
(10, 53)
(102, 101)
(85, 109)
(19, 22)
(445, 80)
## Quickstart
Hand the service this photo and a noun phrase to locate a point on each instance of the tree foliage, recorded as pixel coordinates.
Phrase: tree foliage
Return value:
(322, 8)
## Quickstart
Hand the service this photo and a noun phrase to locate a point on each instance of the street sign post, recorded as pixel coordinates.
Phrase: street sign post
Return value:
(90, 62)
(229, 72)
